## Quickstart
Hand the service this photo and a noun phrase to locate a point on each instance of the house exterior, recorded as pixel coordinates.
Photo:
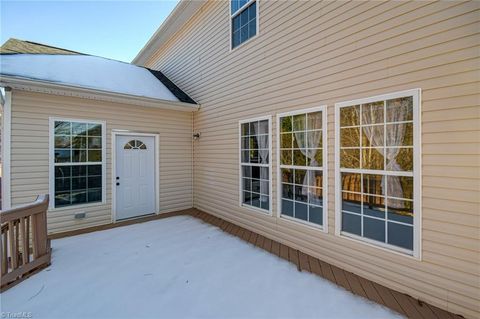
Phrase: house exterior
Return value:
(347, 130)
(69, 117)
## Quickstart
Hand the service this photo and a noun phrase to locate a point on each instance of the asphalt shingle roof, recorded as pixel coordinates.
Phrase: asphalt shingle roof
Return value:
(14, 46)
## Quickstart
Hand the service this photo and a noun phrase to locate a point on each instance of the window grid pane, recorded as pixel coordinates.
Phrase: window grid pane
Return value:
(255, 164)
(244, 24)
(301, 164)
(78, 163)
(378, 136)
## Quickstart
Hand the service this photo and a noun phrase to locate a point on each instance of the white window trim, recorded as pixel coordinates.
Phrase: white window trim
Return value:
(417, 188)
(268, 212)
(324, 227)
(156, 136)
(51, 165)
(231, 16)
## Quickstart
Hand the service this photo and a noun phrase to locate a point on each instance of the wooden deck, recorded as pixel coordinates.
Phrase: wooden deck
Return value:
(399, 302)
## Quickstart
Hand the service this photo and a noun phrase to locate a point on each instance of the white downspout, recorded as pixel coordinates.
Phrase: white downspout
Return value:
(6, 148)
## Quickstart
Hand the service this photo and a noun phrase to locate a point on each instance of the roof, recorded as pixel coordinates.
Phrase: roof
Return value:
(182, 12)
(13, 46)
(182, 96)
(92, 72)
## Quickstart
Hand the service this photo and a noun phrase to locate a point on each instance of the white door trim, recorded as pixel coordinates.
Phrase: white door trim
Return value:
(113, 171)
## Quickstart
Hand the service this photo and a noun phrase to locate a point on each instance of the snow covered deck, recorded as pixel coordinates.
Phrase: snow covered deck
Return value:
(178, 267)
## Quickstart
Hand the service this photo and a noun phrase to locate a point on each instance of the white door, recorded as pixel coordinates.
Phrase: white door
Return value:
(135, 175)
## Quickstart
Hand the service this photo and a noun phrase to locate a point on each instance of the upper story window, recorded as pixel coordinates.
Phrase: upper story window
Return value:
(255, 164)
(378, 170)
(244, 20)
(78, 162)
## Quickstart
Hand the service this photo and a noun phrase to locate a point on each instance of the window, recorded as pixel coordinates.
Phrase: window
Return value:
(244, 20)
(378, 170)
(135, 145)
(77, 162)
(302, 181)
(255, 166)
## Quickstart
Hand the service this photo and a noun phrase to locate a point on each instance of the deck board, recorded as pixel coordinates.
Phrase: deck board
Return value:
(276, 248)
(303, 259)
(240, 232)
(340, 277)
(370, 290)
(223, 225)
(388, 299)
(253, 238)
(293, 257)
(423, 309)
(259, 242)
(392, 299)
(246, 235)
(267, 244)
(406, 305)
(229, 228)
(327, 271)
(441, 314)
(355, 285)
(235, 229)
(284, 251)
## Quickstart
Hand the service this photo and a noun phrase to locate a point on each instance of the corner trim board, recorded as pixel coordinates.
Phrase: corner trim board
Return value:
(6, 150)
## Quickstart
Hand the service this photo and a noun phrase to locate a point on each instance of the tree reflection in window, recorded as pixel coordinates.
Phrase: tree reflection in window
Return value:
(135, 145)
(376, 165)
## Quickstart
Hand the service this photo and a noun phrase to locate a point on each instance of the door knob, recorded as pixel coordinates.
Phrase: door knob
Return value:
(118, 183)
(118, 178)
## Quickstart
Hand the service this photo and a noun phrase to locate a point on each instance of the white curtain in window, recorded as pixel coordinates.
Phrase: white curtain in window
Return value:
(394, 137)
(307, 142)
(262, 141)
(313, 142)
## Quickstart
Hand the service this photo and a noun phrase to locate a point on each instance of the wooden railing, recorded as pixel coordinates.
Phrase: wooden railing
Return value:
(24, 247)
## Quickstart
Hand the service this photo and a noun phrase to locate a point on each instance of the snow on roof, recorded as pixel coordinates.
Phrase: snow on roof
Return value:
(86, 71)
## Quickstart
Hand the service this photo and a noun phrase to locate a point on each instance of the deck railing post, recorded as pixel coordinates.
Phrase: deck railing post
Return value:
(16, 225)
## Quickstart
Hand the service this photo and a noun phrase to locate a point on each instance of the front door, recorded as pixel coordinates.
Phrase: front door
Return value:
(135, 176)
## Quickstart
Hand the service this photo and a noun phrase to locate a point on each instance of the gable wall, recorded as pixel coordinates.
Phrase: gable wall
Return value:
(310, 53)
(30, 147)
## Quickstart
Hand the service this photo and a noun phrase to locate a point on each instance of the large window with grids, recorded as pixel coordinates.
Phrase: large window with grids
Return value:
(378, 170)
(77, 162)
(243, 20)
(255, 164)
(302, 166)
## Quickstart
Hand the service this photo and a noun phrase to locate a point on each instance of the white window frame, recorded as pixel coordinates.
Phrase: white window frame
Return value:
(324, 167)
(417, 188)
(231, 16)
(269, 165)
(51, 160)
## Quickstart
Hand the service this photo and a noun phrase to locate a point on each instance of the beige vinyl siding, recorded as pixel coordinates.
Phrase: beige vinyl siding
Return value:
(310, 53)
(30, 163)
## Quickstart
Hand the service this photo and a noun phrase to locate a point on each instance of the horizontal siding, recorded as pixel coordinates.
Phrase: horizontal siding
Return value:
(312, 53)
(30, 136)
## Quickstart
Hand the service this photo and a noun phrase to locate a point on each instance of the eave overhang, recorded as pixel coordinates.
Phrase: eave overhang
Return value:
(26, 84)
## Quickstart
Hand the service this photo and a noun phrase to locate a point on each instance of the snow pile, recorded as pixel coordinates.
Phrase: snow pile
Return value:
(177, 267)
(86, 71)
